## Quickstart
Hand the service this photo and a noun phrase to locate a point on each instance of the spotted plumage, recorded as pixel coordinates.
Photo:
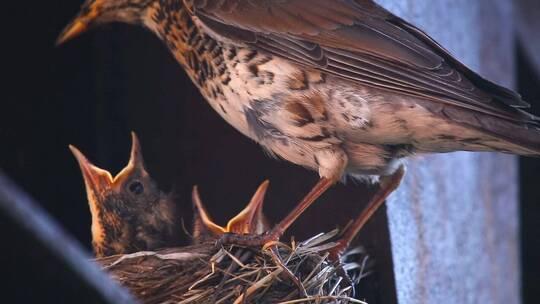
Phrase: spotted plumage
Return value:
(340, 87)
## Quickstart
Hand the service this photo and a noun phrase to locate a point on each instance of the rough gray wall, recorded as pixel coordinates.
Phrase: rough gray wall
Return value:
(454, 221)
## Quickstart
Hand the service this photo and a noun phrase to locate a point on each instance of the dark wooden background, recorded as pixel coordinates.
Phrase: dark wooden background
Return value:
(93, 91)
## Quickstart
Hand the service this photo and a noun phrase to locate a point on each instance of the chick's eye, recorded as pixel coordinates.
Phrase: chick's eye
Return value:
(136, 188)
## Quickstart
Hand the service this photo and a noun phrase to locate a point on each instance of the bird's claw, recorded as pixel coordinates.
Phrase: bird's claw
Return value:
(247, 240)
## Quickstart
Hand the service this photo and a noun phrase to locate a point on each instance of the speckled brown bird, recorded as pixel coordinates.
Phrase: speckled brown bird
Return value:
(129, 212)
(342, 87)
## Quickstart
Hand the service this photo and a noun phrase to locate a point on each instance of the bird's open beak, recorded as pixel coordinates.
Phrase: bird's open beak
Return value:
(251, 220)
(136, 161)
(96, 180)
(82, 22)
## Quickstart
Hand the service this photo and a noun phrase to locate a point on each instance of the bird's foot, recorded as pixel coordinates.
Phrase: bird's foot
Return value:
(386, 186)
(266, 239)
(271, 237)
(335, 254)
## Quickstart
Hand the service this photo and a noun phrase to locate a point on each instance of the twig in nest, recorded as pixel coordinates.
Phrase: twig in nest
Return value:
(203, 274)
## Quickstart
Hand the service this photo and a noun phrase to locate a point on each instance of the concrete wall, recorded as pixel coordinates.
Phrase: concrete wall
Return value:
(454, 222)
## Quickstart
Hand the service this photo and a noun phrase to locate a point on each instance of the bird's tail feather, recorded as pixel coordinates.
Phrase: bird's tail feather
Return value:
(511, 137)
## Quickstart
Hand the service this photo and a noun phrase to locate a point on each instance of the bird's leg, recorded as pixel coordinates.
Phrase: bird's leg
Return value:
(387, 185)
(275, 233)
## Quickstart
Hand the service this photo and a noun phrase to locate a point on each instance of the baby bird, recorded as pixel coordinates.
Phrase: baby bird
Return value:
(129, 212)
(250, 220)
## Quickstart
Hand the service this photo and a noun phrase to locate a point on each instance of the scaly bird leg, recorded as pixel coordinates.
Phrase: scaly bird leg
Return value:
(275, 233)
(387, 185)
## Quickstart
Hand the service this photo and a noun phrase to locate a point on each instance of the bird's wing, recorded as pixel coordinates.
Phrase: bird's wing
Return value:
(360, 41)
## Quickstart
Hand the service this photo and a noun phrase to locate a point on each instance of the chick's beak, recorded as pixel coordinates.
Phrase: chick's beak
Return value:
(96, 180)
(82, 22)
(135, 164)
(251, 220)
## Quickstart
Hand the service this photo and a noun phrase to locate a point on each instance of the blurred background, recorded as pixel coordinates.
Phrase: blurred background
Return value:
(93, 91)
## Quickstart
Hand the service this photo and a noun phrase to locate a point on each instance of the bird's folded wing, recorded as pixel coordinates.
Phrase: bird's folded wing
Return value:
(360, 41)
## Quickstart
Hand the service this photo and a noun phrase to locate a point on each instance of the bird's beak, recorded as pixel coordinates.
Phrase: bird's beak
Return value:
(73, 30)
(96, 180)
(136, 161)
(135, 158)
(251, 220)
(203, 222)
(81, 23)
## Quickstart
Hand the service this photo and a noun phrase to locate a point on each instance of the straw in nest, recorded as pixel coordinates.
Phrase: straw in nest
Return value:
(204, 273)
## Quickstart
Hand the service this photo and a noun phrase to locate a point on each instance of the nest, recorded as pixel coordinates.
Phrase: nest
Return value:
(206, 273)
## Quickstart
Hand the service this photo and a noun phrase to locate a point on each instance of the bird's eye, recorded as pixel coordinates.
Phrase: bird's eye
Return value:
(136, 187)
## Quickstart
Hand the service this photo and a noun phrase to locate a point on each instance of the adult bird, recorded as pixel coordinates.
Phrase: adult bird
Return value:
(341, 87)
(129, 212)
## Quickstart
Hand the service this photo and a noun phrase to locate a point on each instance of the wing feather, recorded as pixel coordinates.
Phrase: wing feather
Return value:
(360, 41)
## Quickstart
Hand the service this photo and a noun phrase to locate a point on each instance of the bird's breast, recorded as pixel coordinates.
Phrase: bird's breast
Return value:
(248, 77)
